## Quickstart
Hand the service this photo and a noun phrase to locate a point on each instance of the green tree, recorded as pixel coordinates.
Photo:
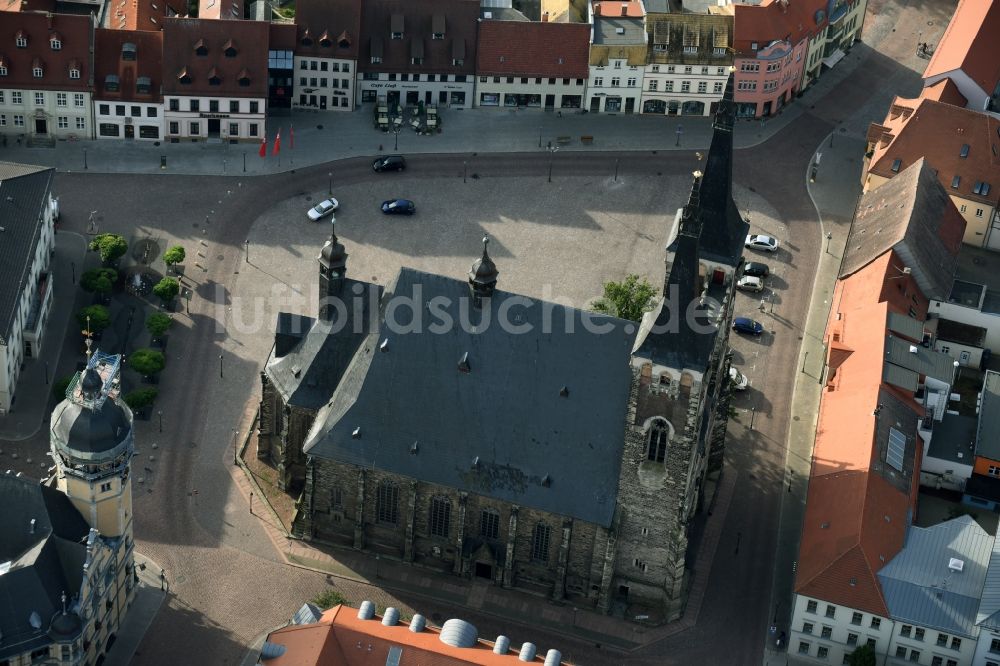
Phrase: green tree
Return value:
(59, 387)
(99, 316)
(628, 299)
(158, 323)
(141, 398)
(99, 280)
(329, 598)
(862, 656)
(174, 256)
(111, 247)
(147, 362)
(167, 289)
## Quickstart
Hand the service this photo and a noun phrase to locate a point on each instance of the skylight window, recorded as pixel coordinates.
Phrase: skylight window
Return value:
(965, 150)
(895, 165)
(897, 449)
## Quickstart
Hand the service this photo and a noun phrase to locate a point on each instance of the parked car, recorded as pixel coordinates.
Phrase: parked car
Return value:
(761, 242)
(389, 163)
(738, 379)
(398, 207)
(756, 269)
(323, 208)
(747, 325)
(750, 283)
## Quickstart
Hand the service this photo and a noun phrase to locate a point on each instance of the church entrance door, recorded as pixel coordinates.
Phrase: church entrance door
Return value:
(484, 570)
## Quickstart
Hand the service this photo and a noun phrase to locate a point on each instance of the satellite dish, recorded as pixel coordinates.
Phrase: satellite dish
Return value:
(35, 620)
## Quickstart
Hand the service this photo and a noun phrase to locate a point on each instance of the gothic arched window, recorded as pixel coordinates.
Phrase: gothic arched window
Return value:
(387, 503)
(659, 435)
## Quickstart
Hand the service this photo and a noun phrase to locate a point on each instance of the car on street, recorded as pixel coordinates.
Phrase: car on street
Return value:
(750, 283)
(398, 207)
(323, 208)
(738, 379)
(747, 325)
(761, 242)
(389, 163)
(756, 269)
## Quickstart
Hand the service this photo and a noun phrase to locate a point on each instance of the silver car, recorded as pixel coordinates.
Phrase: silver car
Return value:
(761, 242)
(323, 208)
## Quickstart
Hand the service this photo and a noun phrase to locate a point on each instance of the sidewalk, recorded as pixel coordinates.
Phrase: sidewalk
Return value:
(145, 606)
(34, 385)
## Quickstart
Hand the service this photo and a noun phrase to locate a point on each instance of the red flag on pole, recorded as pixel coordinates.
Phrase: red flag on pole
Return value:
(291, 135)
(277, 143)
(263, 146)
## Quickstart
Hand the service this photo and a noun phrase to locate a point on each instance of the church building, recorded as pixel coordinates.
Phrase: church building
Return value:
(530, 444)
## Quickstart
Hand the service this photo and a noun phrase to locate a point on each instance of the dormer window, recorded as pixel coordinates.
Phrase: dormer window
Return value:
(244, 78)
(306, 39)
(128, 51)
(437, 26)
(895, 165)
(344, 41)
(21, 39)
(55, 42)
(37, 69)
(111, 83)
(213, 78)
(74, 69)
(183, 77)
(754, 46)
(143, 85)
(955, 182)
(229, 50)
(965, 151)
(396, 26)
(417, 52)
(376, 50)
(325, 41)
(200, 48)
(3, 66)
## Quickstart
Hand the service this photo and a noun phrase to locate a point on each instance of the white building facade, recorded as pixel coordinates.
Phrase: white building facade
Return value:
(128, 120)
(531, 92)
(324, 83)
(29, 230)
(225, 118)
(686, 90)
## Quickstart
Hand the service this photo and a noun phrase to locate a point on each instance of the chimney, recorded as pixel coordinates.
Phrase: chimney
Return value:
(624, 9)
(31, 529)
(545, 17)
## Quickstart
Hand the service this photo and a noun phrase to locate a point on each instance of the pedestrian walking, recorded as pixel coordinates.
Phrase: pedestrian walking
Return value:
(163, 580)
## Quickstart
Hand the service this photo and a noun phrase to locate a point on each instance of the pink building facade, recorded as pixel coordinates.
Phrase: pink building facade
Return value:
(769, 81)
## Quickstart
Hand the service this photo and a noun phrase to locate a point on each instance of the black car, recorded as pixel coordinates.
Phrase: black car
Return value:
(756, 269)
(389, 163)
(398, 207)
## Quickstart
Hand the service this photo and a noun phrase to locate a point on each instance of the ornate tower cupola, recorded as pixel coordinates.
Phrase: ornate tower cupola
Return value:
(92, 444)
(332, 271)
(483, 276)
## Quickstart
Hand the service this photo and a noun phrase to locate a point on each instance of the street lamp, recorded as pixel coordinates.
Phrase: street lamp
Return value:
(84, 158)
(247, 243)
(465, 170)
(330, 189)
(829, 237)
(236, 447)
(220, 366)
(72, 267)
(680, 130)
(160, 414)
(552, 151)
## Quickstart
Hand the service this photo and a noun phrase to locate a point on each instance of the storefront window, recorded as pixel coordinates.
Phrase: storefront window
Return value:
(109, 129)
(489, 99)
(571, 101)
(368, 96)
(693, 109)
(458, 99)
(654, 106)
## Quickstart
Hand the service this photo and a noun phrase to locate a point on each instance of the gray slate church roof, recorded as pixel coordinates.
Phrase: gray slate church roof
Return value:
(40, 565)
(538, 418)
(23, 192)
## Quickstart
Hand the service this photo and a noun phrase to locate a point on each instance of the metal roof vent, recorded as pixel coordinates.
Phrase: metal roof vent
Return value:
(463, 363)
(564, 392)
(296, 371)
(271, 650)
(546, 481)
(913, 349)
(553, 658)
(391, 617)
(459, 633)
(475, 463)
(956, 564)
(502, 645)
(528, 651)
(366, 611)
(356, 434)
(418, 623)
(414, 448)
(384, 346)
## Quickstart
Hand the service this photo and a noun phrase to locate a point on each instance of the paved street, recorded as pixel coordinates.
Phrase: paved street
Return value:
(228, 581)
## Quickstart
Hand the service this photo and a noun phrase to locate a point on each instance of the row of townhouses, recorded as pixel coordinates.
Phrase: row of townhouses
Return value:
(139, 71)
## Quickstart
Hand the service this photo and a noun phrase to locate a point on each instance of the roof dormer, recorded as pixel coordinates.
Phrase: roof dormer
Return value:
(128, 51)
(396, 26)
(21, 39)
(244, 78)
(213, 77)
(183, 76)
(324, 39)
(200, 48)
(307, 39)
(344, 40)
(55, 41)
(111, 83)
(229, 49)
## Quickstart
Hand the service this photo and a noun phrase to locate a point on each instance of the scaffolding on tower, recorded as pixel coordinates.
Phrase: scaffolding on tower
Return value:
(108, 367)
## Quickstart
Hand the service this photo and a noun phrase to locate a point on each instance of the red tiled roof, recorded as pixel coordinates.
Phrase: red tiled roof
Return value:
(180, 36)
(28, 5)
(540, 49)
(461, 19)
(108, 60)
(774, 20)
(633, 8)
(339, 20)
(945, 91)
(937, 131)
(971, 43)
(340, 637)
(281, 36)
(37, 28)
(142, 14)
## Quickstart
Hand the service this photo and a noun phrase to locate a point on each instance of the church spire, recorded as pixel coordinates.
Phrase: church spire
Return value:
(332, 269)
(483, 275)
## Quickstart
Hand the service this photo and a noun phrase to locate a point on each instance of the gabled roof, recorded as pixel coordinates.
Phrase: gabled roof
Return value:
(935, 131)
(38, 28)
(705, 32)
(945, 91)
(180, 37)
(913, 215)
(148, 63)
(144, 14)
(339, 20)
(988, 432)
(988, 615)
(24, 194)
(626, 8)
(414, 22)
(970, 44)
(502, 427)
(776, 20)
(534, 49)
(336, 637)
(922, 588)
